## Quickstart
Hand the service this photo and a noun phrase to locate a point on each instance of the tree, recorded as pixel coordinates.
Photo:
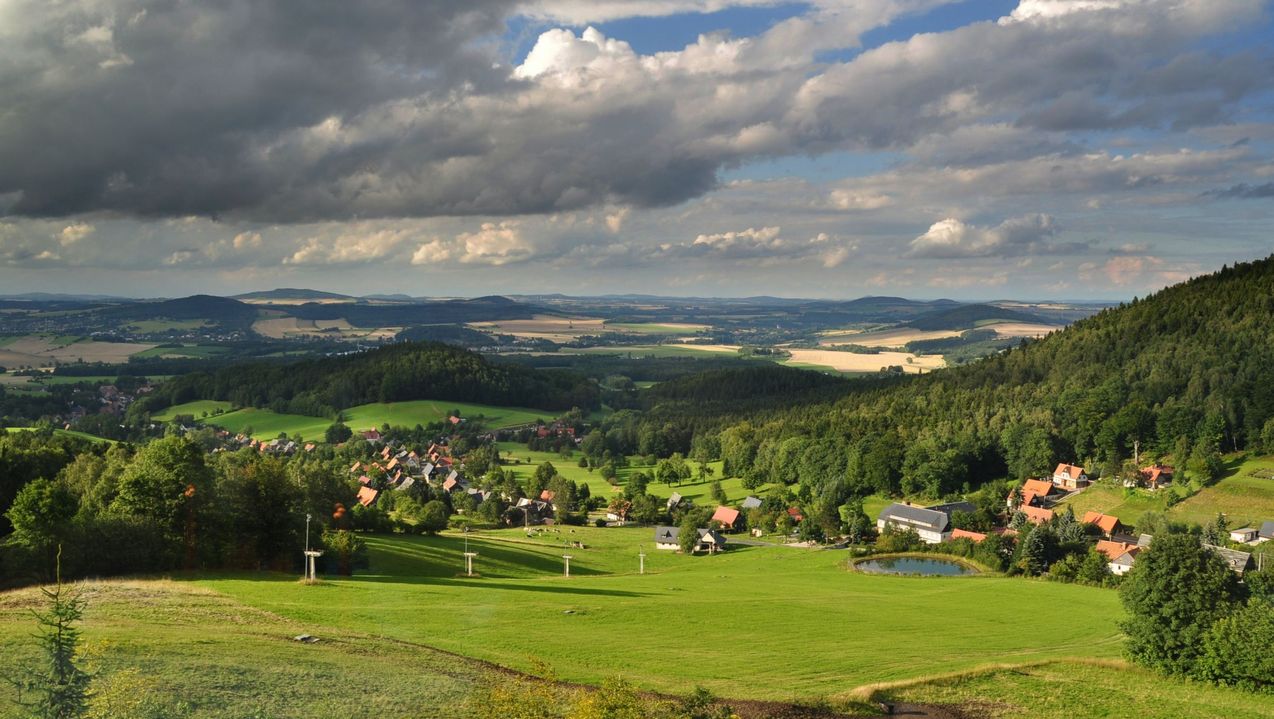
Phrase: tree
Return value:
(688, 533)
(1173, 595)
(60, 687)
(41, 513)
(718, 492)
(1236, 649)
(338, 432)
(433, 517)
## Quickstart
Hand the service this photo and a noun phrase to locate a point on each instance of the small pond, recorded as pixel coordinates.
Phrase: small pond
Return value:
(924, 566)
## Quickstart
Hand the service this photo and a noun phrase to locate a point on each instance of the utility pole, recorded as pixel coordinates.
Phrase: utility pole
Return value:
(566, 558)
(641, 556)
(1136, 453)
(468, 556)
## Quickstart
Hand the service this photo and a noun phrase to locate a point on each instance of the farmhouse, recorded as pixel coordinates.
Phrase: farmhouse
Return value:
(930, 524)
(1108, 525)
(667, 538)
(1070, 476)
(1113, 550)
(367, 496)
(727, 516)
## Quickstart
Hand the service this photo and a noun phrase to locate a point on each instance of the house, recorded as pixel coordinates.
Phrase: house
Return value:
(547, 495)
(1036, 515)
(364, 480)
(975, 537)
(1265, 533)
(1246, 535)
(1032, 490)
(367, 496)
(1070, 476)
(795, 514)
(528, 512)
(1119, 566)
(406, 483)
(454, 483)
(667, 538)
(1236, 560)
(710, 540)
(1114, 550)
(673, 502)
(1144, 540)
(1106, 523)
(727, 516)
(371, 435)
(1155, 476)
(750, 502)
(930, 524)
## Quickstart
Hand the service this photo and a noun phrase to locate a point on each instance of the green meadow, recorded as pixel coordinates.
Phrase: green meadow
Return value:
(67, 433)
(756, 622)
(266, 424)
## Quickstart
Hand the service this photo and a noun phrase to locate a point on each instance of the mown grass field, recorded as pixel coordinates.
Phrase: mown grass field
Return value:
(756, 622)
(266, 424)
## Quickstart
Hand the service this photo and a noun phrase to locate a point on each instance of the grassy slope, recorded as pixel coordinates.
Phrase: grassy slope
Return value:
(523, 462)
(1072, 690)
(1245, 499)
(266, 424)
(806, 626)
(228, 660)
(67, 433)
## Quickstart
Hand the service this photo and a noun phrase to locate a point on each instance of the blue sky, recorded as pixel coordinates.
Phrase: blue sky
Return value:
(1026, 149)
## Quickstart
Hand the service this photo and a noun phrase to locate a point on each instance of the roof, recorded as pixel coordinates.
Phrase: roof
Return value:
(711, 535)
(547, 495)
(1267, 530)
(667, 535)
(750, 502)
(1037, 515)
(1070, 470)
(1038, 487)
(1105, 522)
(915, 516)
(1237, 560)
(1127, 558)
(726, 515)
(966, 534)
(1113, 550)
(673, 500)
(367, 496)
(1156, 473)
(1144, 540)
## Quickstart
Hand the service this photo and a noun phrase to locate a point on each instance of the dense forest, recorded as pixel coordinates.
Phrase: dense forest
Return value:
(405, 371)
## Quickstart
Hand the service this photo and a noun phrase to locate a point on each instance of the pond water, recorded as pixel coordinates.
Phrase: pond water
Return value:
(924, 566)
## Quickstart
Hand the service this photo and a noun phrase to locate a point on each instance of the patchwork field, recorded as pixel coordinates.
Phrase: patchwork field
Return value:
(656, 328)
(855, 362)
(549, 327)
(1018, 329)
(45, 351)
(266, 424)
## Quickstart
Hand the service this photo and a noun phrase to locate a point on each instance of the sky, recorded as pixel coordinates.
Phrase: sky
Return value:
(985, 149)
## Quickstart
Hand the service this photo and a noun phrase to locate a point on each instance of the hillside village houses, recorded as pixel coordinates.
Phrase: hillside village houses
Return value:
(932, 524)
(710, 540)
(1070, 477)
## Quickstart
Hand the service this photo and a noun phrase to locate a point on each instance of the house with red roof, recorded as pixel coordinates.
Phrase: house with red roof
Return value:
(1108, 524)
(975, 537)
(727, 516)
(1036, 515)
(1070, 476)
(367, 496)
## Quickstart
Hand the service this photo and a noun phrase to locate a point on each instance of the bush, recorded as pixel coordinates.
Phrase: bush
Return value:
(1236, 650)
(599, 522)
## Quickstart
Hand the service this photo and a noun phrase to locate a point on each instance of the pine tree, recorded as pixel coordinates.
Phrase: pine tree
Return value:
(60, 688)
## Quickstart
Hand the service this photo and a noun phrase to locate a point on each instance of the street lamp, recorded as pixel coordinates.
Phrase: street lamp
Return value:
(311, 574)
(468, 556)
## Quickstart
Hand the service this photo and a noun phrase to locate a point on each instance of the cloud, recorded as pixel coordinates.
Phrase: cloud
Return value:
(351, 246)
(493, 244)
(403, 109)
(1027, 235)
(1243, 191)
(75, 232)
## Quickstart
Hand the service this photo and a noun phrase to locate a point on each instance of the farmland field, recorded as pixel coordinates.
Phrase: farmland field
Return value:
(1244, 498)
(656, 328)
(549, 327)
(46, 350)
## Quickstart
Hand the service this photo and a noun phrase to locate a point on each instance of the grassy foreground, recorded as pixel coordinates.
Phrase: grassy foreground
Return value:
(757, 623)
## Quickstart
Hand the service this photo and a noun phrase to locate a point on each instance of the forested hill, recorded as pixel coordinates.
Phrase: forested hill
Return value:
(1188, 372)
(395, 373)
